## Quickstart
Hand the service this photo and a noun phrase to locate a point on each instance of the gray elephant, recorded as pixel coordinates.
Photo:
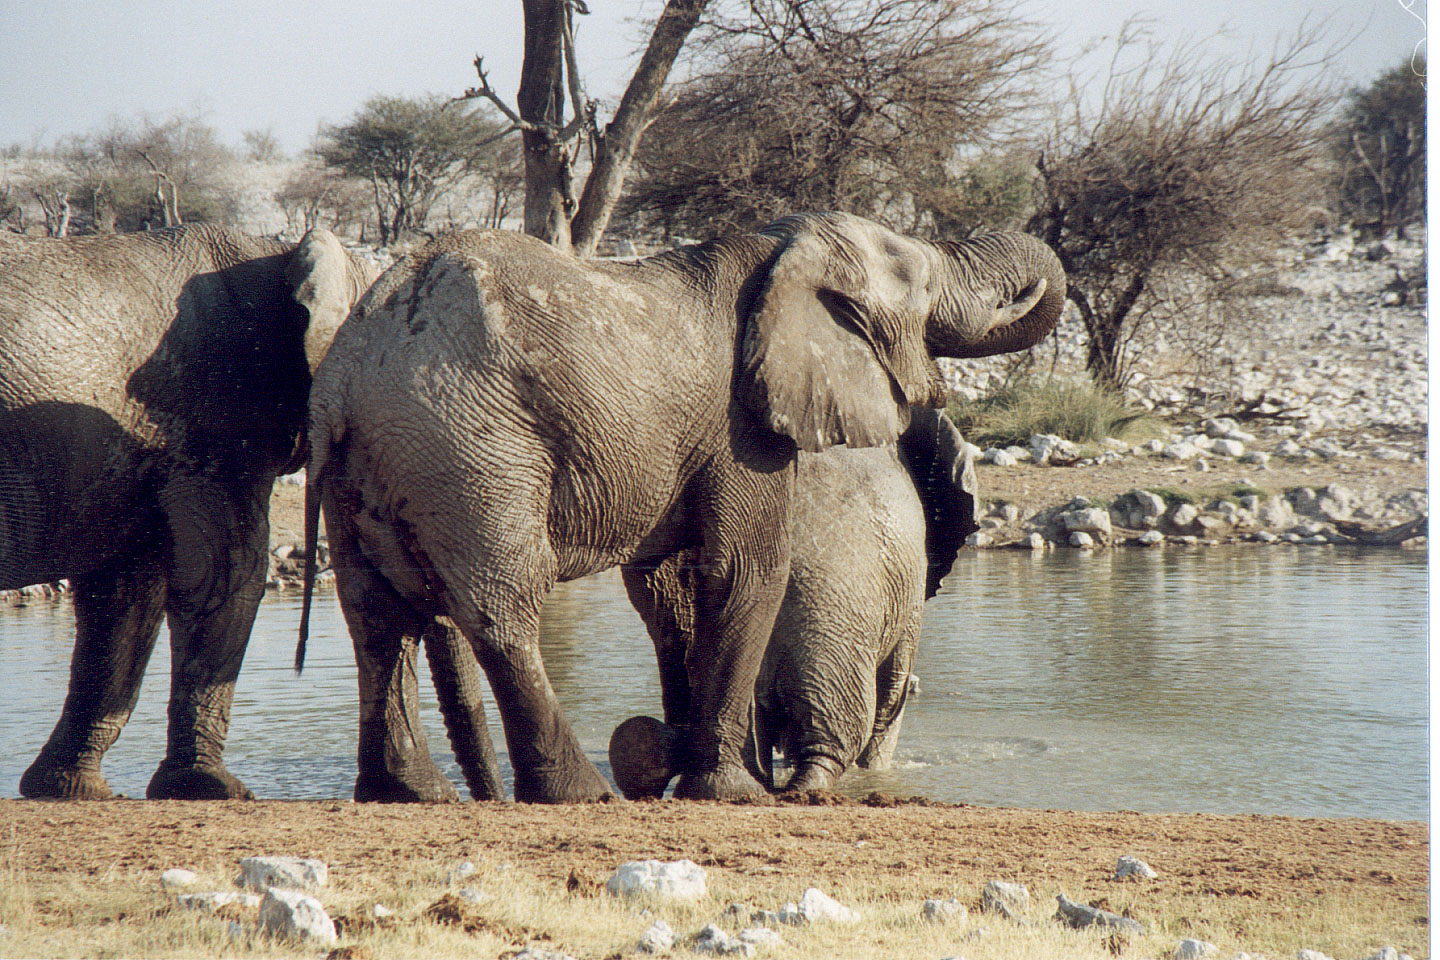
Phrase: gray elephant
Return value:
(496, 416)
(872, 534)
(152, 386)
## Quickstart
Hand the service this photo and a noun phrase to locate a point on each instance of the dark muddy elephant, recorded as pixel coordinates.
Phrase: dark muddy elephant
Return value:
(152, 386)
(872, 533)
(496, 415)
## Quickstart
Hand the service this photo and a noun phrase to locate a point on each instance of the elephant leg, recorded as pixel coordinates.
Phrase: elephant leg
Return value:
(739, 582)
(219, 541)
(495, 592)
(664, 597)
(892, 688)
(459, 687)
(117, 618)
(393, 755)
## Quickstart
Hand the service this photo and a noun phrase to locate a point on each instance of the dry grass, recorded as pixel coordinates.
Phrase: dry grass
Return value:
(129, 914)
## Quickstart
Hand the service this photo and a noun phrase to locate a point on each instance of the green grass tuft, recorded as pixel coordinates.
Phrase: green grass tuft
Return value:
(1077, 410)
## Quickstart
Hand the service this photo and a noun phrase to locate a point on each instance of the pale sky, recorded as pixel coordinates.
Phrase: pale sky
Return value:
(69, 66)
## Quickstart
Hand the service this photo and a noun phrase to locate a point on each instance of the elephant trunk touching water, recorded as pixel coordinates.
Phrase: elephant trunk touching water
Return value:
(496, 416)
(152, 386)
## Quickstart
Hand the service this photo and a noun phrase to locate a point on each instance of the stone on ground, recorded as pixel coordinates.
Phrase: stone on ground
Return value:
(679, 880)
(287, 914)
(259, 873)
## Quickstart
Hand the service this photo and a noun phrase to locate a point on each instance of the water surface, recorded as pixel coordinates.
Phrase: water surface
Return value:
(1224, 680)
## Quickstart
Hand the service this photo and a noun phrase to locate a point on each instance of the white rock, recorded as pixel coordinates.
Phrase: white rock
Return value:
(1133, 867)
(1080, 916)
(381, 912)
(1181, 451)
(1312, 955)
(1257, 457)
(657, 938)
(1184, 515)
(1021, 454)
(815, 906)
(258, 873)
(1035, 541)
(1007, 899)
(1151, 538)
(714, 940)
(290, 913)
(539, 953)
(473, 895)
(760, 937)
(1091, 520)
(175, 877)
(1195, 950)
(1153, 446)
(680, 880)
(1228, 448)
(210, 902)
(1219, 427)
(1265, 536)
(1000, 458)
(462, 870)
(944, 911)
(1287, 448)
(978, 539)
(1082, 540)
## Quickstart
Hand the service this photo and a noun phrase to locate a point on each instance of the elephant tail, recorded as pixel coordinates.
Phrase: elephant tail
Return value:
(319, 457)
(312, 533)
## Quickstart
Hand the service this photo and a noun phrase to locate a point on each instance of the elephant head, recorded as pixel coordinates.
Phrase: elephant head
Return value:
(849, 316)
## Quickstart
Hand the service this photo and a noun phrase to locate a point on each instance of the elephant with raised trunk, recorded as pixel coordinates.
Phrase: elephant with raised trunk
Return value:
(152, 386)
(872, 534)
(496, 416)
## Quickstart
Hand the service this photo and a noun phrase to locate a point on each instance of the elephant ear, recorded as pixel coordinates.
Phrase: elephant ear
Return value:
(943, 471)
(834, 342)
(321, 279)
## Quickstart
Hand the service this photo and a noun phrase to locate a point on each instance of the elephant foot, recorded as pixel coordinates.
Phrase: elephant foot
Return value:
(574, 783)
(385, 787)
(195, 783)
(644, 757)
(809, 776)
(726, 782)
(43, 782)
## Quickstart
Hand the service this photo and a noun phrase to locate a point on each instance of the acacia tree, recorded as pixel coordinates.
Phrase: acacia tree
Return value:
(411, 151)
(549, 80)
(1380, 143)
(1181, 177)
(834, 104)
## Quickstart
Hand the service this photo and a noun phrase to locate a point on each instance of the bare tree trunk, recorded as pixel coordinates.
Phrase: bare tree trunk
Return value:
(549, 188)
(617, 144)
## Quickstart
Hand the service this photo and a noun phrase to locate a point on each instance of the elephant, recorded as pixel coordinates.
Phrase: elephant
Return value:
(496, 415)
(872, 533)
(152, 387)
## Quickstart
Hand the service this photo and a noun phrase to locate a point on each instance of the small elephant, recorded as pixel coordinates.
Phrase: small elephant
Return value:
(152, 386)
(872, 533)
(496, 416)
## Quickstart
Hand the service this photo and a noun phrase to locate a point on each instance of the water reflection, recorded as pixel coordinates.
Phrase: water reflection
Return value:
(1226, 680)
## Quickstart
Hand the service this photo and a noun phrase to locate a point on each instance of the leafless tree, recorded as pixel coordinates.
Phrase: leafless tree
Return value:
(54, 200)
(835, 104)
(549, 80)
(1178, 175)
(316, 195)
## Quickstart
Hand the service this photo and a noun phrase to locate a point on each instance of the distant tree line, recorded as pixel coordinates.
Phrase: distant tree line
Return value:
(1163, 183)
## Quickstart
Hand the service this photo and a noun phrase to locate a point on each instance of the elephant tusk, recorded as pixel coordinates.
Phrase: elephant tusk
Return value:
(1009, 314)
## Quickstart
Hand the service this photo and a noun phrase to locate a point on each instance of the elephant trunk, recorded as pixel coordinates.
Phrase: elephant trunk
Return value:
(1005, 295)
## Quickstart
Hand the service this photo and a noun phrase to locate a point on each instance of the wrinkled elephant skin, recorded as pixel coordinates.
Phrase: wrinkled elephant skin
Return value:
(496, 416)
(152, 386)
